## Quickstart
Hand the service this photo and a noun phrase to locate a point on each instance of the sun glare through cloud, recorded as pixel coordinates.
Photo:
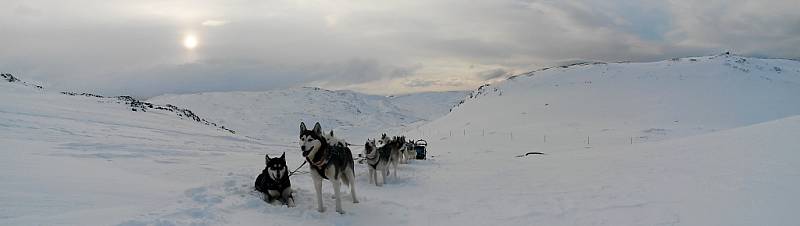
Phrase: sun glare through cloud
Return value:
(190, 42)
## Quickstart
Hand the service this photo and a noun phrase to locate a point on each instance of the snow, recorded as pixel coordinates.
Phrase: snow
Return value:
(714, 143)
(354, 116)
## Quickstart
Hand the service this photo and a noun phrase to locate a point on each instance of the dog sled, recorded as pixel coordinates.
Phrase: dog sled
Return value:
(420, 147)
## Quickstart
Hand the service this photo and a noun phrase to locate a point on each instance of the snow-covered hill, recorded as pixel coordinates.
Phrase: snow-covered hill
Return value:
(692, 141)
(620, 103)
(84, 160)
(274, 116)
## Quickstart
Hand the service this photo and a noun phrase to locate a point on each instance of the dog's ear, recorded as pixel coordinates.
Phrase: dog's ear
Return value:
(283, 156)
(318, 128)
(302, 127)
(266, 158)
(331, 133)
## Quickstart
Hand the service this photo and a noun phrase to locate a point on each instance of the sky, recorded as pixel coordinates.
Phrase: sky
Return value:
(115, 47)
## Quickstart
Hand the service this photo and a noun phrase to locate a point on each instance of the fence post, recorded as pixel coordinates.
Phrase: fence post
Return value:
(545, 138)
(587, 140)
(451, 133)
(512, 135)
(631, 140)
(465, 132)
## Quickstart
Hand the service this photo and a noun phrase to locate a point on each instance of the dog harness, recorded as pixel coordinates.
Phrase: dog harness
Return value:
(319, 166)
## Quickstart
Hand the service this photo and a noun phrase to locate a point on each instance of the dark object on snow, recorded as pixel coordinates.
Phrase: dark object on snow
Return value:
(274, 182)
(9, 78)
(530, 153)
(420, 148)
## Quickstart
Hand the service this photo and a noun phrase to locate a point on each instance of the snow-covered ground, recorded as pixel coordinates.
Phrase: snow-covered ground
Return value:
(714, 142)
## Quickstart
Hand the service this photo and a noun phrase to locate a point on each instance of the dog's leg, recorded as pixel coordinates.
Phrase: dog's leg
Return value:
(375, 176)
(318, 189)
(382, 171)
(336, 192)
(386, 172)
(394, 164)
(375, 173)
(352, 178)
(287, 197)
(372, 179)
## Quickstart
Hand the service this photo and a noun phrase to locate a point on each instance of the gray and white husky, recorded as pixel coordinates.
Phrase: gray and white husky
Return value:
(408, 152)
(331, 162)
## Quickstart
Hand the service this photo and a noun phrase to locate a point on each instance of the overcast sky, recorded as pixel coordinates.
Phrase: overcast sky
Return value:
(382, 47)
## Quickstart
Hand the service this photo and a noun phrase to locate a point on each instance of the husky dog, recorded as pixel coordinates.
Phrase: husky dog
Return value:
(406, 148)
(384, 139)
(390, 148)
(378, 161)
(274, 181)
(408, 151)
(396, 152)
(330, 162)
(334, 141)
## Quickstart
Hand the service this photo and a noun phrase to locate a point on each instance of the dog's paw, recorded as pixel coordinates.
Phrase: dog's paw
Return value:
(321, 209)
(340, 211)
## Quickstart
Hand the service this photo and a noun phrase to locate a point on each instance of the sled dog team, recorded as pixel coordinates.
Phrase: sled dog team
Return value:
(329, 158)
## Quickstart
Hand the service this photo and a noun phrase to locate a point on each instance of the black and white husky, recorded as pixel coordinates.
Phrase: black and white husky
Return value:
(331, 162)
(274, 181)
(377, 161)
(391, 149)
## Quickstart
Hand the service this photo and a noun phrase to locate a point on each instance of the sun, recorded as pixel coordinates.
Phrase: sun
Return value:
(190, 41)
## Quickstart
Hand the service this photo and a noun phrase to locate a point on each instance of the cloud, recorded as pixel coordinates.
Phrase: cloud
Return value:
(378, 47)
(767, 28)
(213, 75)
(213, 23)
(420, 83)
(358, 70)
(493, 74)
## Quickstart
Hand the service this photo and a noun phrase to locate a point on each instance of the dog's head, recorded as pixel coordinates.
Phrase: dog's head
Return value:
(384, 140)
(369, 147)
(334, 141)
(311, 140)
(276, 167)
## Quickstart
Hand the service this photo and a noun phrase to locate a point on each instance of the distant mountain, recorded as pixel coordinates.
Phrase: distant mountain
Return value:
(11, 79)
(276, 115)
(134, 104)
